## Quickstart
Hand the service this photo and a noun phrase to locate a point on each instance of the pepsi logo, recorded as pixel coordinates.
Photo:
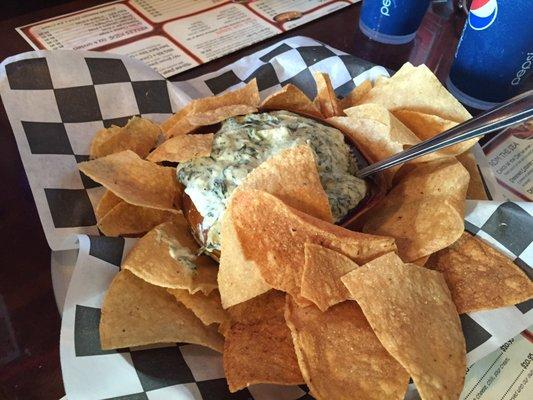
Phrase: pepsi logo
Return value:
(482, 14)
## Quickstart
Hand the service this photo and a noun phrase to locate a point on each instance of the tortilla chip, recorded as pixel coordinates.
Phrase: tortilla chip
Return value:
(426, 126)
(139, 135)
(377, 132)
(421, 261)
(136, 313)
(247, 95)
(416, 89)
(292, 176)
(356, 95)
(292, 99)
(446, 178)
(182, 126)
(340, 356)
(420, 227)
(238, 278)
(476, 188)
(101, 137)
(167, 256)
(424, 212)
(412, 313)
(480, 277)
(326, 99)
(135, 181)
(183, 148)
(106, 204)
(272, 237)
(321, 277)
(127, 219)
(258, 346)
(207, 308)
(176, 117)
(380, 80)
(217, 115)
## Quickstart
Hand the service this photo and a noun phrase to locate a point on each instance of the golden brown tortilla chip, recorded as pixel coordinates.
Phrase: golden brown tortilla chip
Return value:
(258, 346)
(292, 176)
(476, 188)
(176, 117)
(167, 256)
(136, 313)
(326, 99)
(420, 226)
(292, 99)
(376, 130)
(134, 180)
(424, 212)
(127, 219)
(340, 356)
(180, 124)
(421, 261)
(272, 236)
(356, 95)
(106, 204)
(207, 308)
(183, 148)
(181, 127)
(238, 278)
(248, 94)
(377, 133)
(416, 89)
(139, 135)
(480, 277)
(217, 115)
(446, 177)
(321, 277)
(426, 126)
(412, 313)
(101, 137)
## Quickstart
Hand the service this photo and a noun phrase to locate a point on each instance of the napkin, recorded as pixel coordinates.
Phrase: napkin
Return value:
(56, 101)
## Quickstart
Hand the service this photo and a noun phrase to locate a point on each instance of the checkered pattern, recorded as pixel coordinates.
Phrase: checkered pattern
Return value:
(508, 227)
(56, 101)
(187, 371)
(182, 371)
(291, 61)
(75, 94)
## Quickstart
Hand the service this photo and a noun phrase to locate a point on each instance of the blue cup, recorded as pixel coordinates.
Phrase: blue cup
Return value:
(392, 21)
(495, 53)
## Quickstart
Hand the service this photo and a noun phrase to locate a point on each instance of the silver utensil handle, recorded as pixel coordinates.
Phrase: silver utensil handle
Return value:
(513, 111)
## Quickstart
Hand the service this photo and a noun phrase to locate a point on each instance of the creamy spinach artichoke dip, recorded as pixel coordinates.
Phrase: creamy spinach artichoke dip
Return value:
(243, 143)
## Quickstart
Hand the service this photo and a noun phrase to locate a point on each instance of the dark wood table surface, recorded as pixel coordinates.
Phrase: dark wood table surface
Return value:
(29, 319)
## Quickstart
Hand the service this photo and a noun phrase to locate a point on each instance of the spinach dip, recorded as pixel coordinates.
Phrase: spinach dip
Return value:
(243, 143)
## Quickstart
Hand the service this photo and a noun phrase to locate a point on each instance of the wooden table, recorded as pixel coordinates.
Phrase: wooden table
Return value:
(29, 320)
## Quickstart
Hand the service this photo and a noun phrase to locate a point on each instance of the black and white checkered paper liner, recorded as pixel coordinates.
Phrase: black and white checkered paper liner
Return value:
(57, 100)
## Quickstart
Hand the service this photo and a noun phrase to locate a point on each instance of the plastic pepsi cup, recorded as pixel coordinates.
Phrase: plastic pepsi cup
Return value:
(392, 21)
(495, 53)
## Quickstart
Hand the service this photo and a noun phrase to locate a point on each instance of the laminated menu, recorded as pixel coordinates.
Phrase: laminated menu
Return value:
(172, 36)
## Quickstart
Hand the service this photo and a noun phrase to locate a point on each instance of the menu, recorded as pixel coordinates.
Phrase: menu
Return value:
(172, 36)
(509, 155)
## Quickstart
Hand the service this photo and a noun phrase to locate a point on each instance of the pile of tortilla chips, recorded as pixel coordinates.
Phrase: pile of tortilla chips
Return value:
(296, 299)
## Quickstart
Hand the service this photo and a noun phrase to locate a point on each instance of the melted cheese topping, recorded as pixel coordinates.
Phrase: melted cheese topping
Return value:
(244, 142)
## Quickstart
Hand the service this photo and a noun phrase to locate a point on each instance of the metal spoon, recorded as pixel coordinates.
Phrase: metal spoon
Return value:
(512, 112)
